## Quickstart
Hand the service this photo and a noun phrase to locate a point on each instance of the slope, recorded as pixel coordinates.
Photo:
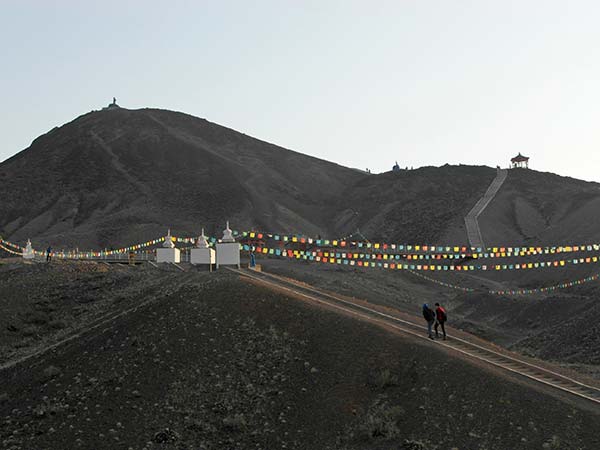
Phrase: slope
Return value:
(542, 208)
(424, 206)
(118, 175)
(211, 362)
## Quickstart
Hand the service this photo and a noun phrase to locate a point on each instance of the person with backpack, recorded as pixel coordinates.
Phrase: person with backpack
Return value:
(429, 316)
(441, 318)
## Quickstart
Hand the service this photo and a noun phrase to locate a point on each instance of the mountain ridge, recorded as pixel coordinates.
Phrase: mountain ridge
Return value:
(162, 160)
(116, 176)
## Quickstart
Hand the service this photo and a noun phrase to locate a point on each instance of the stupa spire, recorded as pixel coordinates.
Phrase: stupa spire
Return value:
(168, 240)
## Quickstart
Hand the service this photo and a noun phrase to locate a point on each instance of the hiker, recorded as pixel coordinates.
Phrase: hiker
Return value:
(429, 316)
(441, 318)
(49, 254)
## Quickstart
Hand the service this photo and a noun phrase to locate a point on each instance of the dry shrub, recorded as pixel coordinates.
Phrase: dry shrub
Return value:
(29, 331)
(384, 378)
(36, 318)
(235, 422)
(58, 324)
(553, 443)
(409, 444)
(380, 422)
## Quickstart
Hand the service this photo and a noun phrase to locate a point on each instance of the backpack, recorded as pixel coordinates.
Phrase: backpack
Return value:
(444, 315)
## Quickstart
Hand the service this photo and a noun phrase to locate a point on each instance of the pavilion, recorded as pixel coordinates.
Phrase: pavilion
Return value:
(520, 161)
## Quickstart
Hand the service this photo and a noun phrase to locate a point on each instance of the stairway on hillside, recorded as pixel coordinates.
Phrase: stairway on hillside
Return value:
(471, 219)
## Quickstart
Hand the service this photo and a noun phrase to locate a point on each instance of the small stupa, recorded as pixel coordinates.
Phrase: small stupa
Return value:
(168, 253)
(227, 234)
(202, 242)
(228, 251)
(28, 253)
(202, 253)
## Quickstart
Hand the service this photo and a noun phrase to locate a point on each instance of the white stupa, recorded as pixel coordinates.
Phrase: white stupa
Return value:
(168, 254)
(202, 253)
(202, 242)
(28, 252)
(228, 251)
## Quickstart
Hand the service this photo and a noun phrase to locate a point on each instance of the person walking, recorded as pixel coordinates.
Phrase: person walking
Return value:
(429, 316)
(441, 318)
(49, 254)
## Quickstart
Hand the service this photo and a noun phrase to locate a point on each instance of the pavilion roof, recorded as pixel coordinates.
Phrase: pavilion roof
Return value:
(519, 158)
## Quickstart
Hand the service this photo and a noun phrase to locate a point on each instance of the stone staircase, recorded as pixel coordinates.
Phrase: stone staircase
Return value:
(471, 223)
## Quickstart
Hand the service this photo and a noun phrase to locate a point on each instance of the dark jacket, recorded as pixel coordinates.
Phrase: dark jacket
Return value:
(428, 314)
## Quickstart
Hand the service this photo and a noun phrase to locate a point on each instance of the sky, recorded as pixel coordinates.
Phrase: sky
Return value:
(360, 83)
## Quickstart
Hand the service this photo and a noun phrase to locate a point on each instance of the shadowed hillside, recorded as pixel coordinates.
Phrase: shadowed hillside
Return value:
(542, 208)
(425, 205)
(118, 176)
(206, 361)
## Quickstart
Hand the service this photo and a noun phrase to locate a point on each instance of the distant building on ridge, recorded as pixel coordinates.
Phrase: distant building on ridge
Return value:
(112, 105)
(520, 161)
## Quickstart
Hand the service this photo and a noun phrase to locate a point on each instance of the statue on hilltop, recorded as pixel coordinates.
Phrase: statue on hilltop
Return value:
(113, 104)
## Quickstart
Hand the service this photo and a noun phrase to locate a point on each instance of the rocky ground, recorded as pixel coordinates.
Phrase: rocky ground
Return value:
(43, 303)
(209, 362)
(556, 326)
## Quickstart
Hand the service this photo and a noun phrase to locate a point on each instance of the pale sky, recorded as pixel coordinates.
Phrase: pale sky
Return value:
(362, 84)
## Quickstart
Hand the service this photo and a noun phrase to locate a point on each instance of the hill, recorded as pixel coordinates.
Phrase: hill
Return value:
(542, 208)
(118, 176)
(425, 206)
(207, 361)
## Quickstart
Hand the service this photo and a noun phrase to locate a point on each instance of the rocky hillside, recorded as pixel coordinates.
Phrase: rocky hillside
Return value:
(118, 176)
(206, 361)
(425, 205)
(544, 208)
